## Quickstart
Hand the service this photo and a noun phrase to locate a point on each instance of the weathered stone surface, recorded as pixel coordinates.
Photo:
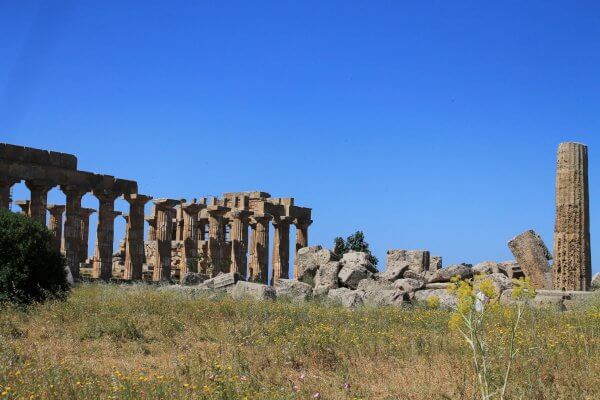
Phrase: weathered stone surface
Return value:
(358, 259)
(512, 269)
(418, 260)
(252, 290)
(308, 260)
(222, 280)
(447, 300)
(351, 275)
(380, 293)
(192, 278)
(532, 255)
(394, 271)
(370, 285)
(346, 297)
(596, 281)
(294, 290)
(326, 278)
(420, 276)
(439, 285)
(408, 284)
(486, 268)
(500, 281)
(572, 248)
(435, 263)
(462, 271)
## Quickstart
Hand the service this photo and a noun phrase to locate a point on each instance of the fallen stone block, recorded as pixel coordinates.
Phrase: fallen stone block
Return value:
(385, 298)
(439, 285)
(420, 276)
(532, 255)
(193, 278)
(462, 271)
(435, 263)
(418, 260)
(394, 271)
(222, 281)
(408, 285)
(346, 297)
(326, 278)
(500, 281)
(252, 290)
(447, 301)
(308, 260)
(486, 268)
(511, 269)
(296, 291)
(358, 259)
(351, 275)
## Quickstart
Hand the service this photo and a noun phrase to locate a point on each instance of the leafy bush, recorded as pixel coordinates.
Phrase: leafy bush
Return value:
(30, 269)
(354, 242)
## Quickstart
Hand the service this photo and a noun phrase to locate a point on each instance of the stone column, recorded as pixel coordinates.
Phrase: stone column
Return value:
(5, 185)
(239, 241)
(572, 255)
(105, 233)
(72, 228)
(56, 224)
(134, 239)
(216, 240)
(259, 255)
(151, 227)
(39, 199)
(84, 214)
(301, 238)
(189, 236)
(164, 237)
(281, 248)
(24, 206)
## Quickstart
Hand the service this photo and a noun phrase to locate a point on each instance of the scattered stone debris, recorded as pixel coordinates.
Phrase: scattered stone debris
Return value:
(532, 255)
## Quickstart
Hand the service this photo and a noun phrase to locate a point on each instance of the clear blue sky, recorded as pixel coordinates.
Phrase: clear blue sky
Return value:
(425, 124)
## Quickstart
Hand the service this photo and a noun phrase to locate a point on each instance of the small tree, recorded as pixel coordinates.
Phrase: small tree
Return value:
(354, 242)
(30, 269)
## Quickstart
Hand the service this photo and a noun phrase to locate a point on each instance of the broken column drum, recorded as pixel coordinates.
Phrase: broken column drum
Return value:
(572, 255)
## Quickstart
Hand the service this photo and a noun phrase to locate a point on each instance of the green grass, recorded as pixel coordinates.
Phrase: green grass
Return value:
(140, 343)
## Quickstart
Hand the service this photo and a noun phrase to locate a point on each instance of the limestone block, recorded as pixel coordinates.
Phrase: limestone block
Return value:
(193, 278)
(351, 275)
(462, 271)
(447, 301)
(500, 281)
(435, 263)
(512, 269)
(394, 271)
(486, 268)
(439, 285)
(408, 285)
(309, 259)
(346, 297)
(222, 281)
(380, 293)
(596, 281)
(418, 260)
(356, 259)
(532, 255)
(327, 278)
(292, 289)
(420, 276)
(252, 290)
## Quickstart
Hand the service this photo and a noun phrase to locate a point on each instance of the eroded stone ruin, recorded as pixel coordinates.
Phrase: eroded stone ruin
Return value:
(228, 234)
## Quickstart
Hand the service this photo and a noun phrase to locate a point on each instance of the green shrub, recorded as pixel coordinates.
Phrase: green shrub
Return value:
(30, 269)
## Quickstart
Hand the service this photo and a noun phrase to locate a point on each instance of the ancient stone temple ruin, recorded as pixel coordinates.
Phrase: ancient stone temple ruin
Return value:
(227, 234)
(572, 251)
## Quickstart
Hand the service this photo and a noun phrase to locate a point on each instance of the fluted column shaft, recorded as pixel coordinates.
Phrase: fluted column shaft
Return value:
(259, 261)
(239, 241)
(164, 237)
(56, 224)
(84, 214)
(189, 235)
(39, 200)
(105, 234)
(281, 249)
(301, 238)
(134, 238)
(216, 240)
(5, 185)
(72, 227)
(572, 251)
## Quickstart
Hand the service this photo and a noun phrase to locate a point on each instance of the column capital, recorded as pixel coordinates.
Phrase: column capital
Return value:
(86, 212)
(302, 223)
(151, 219)
(56, 209)
(215, 210)
(282, 220)
(33, 184)
(237, 213)
(192, 208)
(106, 195)
(164, 204)
(24, 204)
(260, 219)
(136, 198)
(73, 190)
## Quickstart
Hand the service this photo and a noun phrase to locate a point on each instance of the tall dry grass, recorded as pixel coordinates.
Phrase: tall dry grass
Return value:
(140, 343)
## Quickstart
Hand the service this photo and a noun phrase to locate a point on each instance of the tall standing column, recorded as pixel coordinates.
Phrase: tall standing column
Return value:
(164, 237)
(72, 227)
(239, 241)
(5, 185)
(134, 246)
(281, 248)
(39, 199)
(189, 236)
(259, 260)
(56, 224)
(572, 255)
(216, 240)
(301, 237)
(84, 214)
(105, 233)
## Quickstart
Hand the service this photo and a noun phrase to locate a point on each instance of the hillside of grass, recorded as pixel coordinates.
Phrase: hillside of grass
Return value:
(140, 343)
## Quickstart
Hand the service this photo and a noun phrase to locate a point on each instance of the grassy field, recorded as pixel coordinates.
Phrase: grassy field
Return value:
(110, 342)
